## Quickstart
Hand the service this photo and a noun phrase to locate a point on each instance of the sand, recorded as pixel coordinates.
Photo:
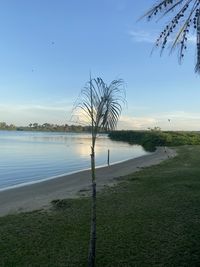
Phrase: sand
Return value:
(38, 196)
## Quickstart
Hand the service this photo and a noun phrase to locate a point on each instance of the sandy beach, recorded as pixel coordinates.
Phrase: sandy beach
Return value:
(39, 195)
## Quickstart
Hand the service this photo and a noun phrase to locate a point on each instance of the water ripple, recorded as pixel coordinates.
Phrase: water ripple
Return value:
(33, 156)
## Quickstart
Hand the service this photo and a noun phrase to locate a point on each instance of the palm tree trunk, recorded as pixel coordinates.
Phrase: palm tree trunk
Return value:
(92, 245)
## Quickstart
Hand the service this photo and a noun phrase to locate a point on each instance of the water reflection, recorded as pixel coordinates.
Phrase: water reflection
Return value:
(31, 156)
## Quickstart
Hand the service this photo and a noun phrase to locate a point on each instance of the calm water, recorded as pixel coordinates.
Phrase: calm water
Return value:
(28, 157)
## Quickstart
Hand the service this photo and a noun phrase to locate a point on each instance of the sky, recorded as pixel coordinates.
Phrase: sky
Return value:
(49, 47)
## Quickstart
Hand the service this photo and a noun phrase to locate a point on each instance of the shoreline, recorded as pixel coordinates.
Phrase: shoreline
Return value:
(39, 195)
(61, 175)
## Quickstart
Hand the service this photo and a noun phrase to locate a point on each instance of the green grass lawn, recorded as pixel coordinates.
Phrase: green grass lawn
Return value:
(152, 218)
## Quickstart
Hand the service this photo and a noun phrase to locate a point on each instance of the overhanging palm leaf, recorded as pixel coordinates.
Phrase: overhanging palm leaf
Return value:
(177, 31)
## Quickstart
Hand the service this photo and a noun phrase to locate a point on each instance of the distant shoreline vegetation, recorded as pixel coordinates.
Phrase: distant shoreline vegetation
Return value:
(155, 137)
(149, 139)
(46, 127)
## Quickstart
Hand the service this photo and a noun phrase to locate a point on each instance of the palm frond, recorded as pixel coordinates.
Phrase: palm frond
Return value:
(197, 68)
(177, 30)
(161, 7)
(101, 104)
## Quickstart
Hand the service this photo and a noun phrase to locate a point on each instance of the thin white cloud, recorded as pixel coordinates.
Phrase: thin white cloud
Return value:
(39, 108)
(61, 114)
(25, 114)
(141, 36)
(180, 114)
(177, 120)
(26, 107)
(192, 39)
(132, 108)
(137, 123)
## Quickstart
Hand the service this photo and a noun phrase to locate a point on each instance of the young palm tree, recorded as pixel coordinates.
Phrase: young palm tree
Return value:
(99, 105)
(185, 17)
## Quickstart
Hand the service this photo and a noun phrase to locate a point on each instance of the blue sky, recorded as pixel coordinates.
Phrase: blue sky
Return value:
(48, 47)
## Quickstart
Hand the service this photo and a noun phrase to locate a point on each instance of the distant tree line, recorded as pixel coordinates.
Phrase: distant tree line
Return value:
(4, 126)
(155, 137)
(48, 127)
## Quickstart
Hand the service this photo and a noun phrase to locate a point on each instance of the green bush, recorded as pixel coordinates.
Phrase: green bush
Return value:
(155, 137)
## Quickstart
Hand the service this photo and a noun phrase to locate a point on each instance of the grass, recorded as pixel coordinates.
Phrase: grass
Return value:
(152, 218)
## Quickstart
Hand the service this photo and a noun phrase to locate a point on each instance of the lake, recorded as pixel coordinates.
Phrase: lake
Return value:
(29, 157)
